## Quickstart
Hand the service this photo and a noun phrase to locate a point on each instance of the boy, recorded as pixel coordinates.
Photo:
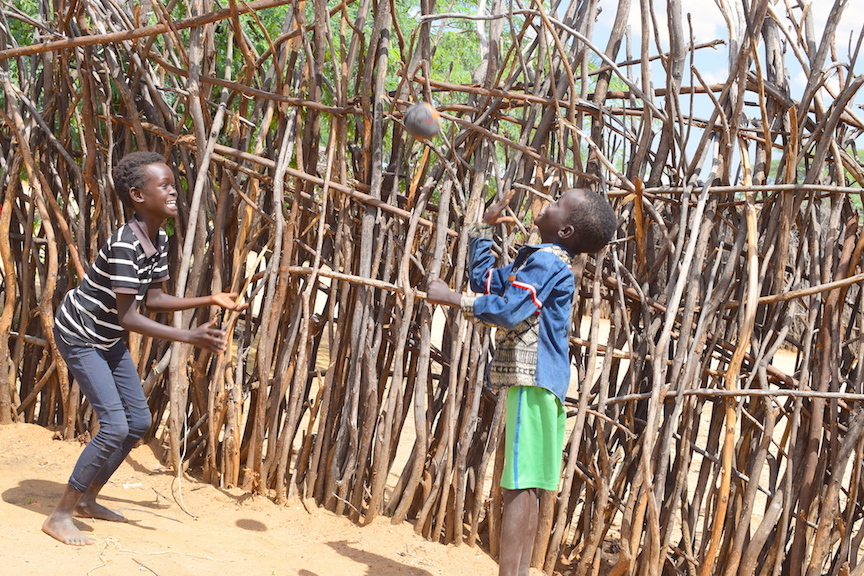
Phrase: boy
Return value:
(93, 318)
(530, 301)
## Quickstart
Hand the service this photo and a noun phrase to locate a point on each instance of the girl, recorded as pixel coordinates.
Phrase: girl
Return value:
(93, 318)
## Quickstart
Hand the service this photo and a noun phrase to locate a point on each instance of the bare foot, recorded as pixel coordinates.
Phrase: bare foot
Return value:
(63, 529)
(94, 510)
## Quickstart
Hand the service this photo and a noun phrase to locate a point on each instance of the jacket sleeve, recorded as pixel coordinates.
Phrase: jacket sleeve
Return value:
(482, 275)
(542, 274)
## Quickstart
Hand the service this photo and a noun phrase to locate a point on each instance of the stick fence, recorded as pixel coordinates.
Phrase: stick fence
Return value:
(716, 411)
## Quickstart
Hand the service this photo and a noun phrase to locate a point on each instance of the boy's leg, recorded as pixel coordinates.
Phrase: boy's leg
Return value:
(533, 443)
(138, 419)
(533, 439)
(518, 529)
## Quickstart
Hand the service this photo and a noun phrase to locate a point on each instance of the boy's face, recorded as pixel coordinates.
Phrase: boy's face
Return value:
(157, 197)
(552, 222)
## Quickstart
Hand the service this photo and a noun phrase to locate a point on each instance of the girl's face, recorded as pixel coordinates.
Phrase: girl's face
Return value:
(157, 197)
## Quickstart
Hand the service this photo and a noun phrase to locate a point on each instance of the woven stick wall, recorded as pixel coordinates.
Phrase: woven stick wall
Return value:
(691, 449)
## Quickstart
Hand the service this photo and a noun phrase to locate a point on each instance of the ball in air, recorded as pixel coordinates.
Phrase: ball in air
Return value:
(422, 120)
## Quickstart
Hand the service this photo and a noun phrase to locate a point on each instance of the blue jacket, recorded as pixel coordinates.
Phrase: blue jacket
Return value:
(530, 301)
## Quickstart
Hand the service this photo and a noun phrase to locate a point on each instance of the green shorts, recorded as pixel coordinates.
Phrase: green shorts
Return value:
(533, 439)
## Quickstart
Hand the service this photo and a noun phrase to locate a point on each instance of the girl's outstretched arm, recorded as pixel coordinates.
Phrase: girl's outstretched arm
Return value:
(158, 301)
(204, 336)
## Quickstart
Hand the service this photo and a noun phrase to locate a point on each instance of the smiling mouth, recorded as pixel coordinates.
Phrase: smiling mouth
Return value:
(172, 203)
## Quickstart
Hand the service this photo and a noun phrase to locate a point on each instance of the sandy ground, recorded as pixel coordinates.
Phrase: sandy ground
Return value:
(191, 528)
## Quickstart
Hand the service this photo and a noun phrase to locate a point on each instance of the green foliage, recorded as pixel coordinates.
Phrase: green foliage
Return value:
(21, 30)
(260, 30)
(455, 44)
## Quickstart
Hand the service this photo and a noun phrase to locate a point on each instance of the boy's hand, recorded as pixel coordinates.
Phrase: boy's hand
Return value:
(209, 338)
(227, 300)
(439, 293)
(493, 213)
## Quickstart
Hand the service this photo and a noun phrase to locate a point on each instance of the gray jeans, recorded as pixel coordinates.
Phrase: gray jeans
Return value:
(110, 382)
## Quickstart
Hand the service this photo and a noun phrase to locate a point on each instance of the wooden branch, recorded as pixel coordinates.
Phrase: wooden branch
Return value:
(328, 219)
(803, 292)
(145, 32)
(745, 393)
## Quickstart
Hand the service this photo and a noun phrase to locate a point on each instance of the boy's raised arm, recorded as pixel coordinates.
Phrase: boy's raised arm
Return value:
(493, 213)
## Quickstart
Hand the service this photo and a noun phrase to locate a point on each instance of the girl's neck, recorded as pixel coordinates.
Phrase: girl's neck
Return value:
(150, 224)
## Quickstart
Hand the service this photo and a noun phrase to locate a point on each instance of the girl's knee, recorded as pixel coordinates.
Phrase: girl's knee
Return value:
(139, 424)
(112, 433)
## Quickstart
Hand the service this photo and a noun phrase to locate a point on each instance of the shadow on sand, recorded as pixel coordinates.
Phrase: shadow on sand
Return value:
(378, 565)
(40, 496)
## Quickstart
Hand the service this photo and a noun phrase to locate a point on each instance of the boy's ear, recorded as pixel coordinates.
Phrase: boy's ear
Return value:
(566, 232)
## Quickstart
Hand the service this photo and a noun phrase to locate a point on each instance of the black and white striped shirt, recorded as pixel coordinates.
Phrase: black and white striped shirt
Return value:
(127, 264)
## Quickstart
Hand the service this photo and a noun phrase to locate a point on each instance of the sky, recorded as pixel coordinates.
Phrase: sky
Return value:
(708, 24)
(712, 63)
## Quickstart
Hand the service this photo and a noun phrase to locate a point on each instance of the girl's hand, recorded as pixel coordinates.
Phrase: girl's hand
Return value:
(493, 213)
(227, 300)
(209, 338)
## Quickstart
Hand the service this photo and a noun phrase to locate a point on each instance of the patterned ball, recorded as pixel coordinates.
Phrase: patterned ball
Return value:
(422, 120)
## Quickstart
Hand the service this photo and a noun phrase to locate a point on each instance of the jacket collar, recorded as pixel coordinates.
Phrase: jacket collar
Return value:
(556, 249)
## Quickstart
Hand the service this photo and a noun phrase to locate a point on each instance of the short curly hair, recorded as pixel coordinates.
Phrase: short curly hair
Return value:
(594, 221)
(129, 172)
